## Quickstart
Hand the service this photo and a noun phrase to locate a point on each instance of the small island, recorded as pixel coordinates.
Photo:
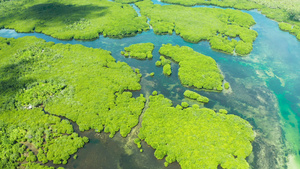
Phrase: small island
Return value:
(166, 64)
(196, 137)
(195, 69)
(195, 96)
(139, 51)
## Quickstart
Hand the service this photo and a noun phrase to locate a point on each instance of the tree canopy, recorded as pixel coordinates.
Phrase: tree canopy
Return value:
(196, 137)
(195, 96)
(83, 84)
(72, 19)
(195, 69)
(287, 11)
(139, 51)
(196, 24)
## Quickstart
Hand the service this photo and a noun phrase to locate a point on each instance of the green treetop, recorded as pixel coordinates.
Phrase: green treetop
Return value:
(286, 11)
(83, 84)
(195, 69)
(139, 51)
(196, 137)
(196, 24)
(195, 96)
(72, 19)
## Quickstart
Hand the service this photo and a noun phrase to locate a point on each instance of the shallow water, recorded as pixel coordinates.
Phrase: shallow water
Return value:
(264, 90)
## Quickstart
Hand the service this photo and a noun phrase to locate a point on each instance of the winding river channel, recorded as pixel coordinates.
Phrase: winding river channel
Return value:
(265, 90)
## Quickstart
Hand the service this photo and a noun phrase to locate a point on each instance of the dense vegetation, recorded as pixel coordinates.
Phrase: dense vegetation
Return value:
(90, 88)
(139, 51)
(167, 69)
(194, 137)
(163, 61)
(127, 1)
(72, 19)
(279, 10)
(83, 84)
(195, 69)
(289, 7)
(195, 96)
(166, 64)
(196, 24)
(32, 165)
(226, 85)
(51, 138)
(293, 29)
(239, 4)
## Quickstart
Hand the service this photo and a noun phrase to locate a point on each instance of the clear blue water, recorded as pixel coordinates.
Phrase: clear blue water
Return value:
(265, 90)
(136, 9)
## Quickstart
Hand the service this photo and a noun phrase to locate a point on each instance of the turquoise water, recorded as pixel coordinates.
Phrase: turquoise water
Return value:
(264, 90)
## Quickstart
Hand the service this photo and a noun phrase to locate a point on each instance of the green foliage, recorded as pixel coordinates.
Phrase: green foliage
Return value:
(126, 1)
(94, 71)
(203, 99)
(41, 156)
(196, 24)
(223, 44)
(195, 96)
(137, 141)
(162, 28)
(167, 69)
(58, 151)
(36, 166)
(281, 11)
(137, 71)
(85, 85)
(223, 111)
(154, 93)
(164, 61)
(158, 63)
(195, 69)
(72, 19)
(179, 107)
(37, 93)
(184, 104)
(290, 8)
(289, 19)
(194, 137)
(285, 26)
(275, 14)
(75, 156)
(139, 51)
(31, 157)
(243, 48)
(293, 29)
(239, 4)
(226, 85)
(152, 74)
(35, 128)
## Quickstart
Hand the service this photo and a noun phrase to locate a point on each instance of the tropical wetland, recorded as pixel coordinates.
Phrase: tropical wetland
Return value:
(102, 99)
